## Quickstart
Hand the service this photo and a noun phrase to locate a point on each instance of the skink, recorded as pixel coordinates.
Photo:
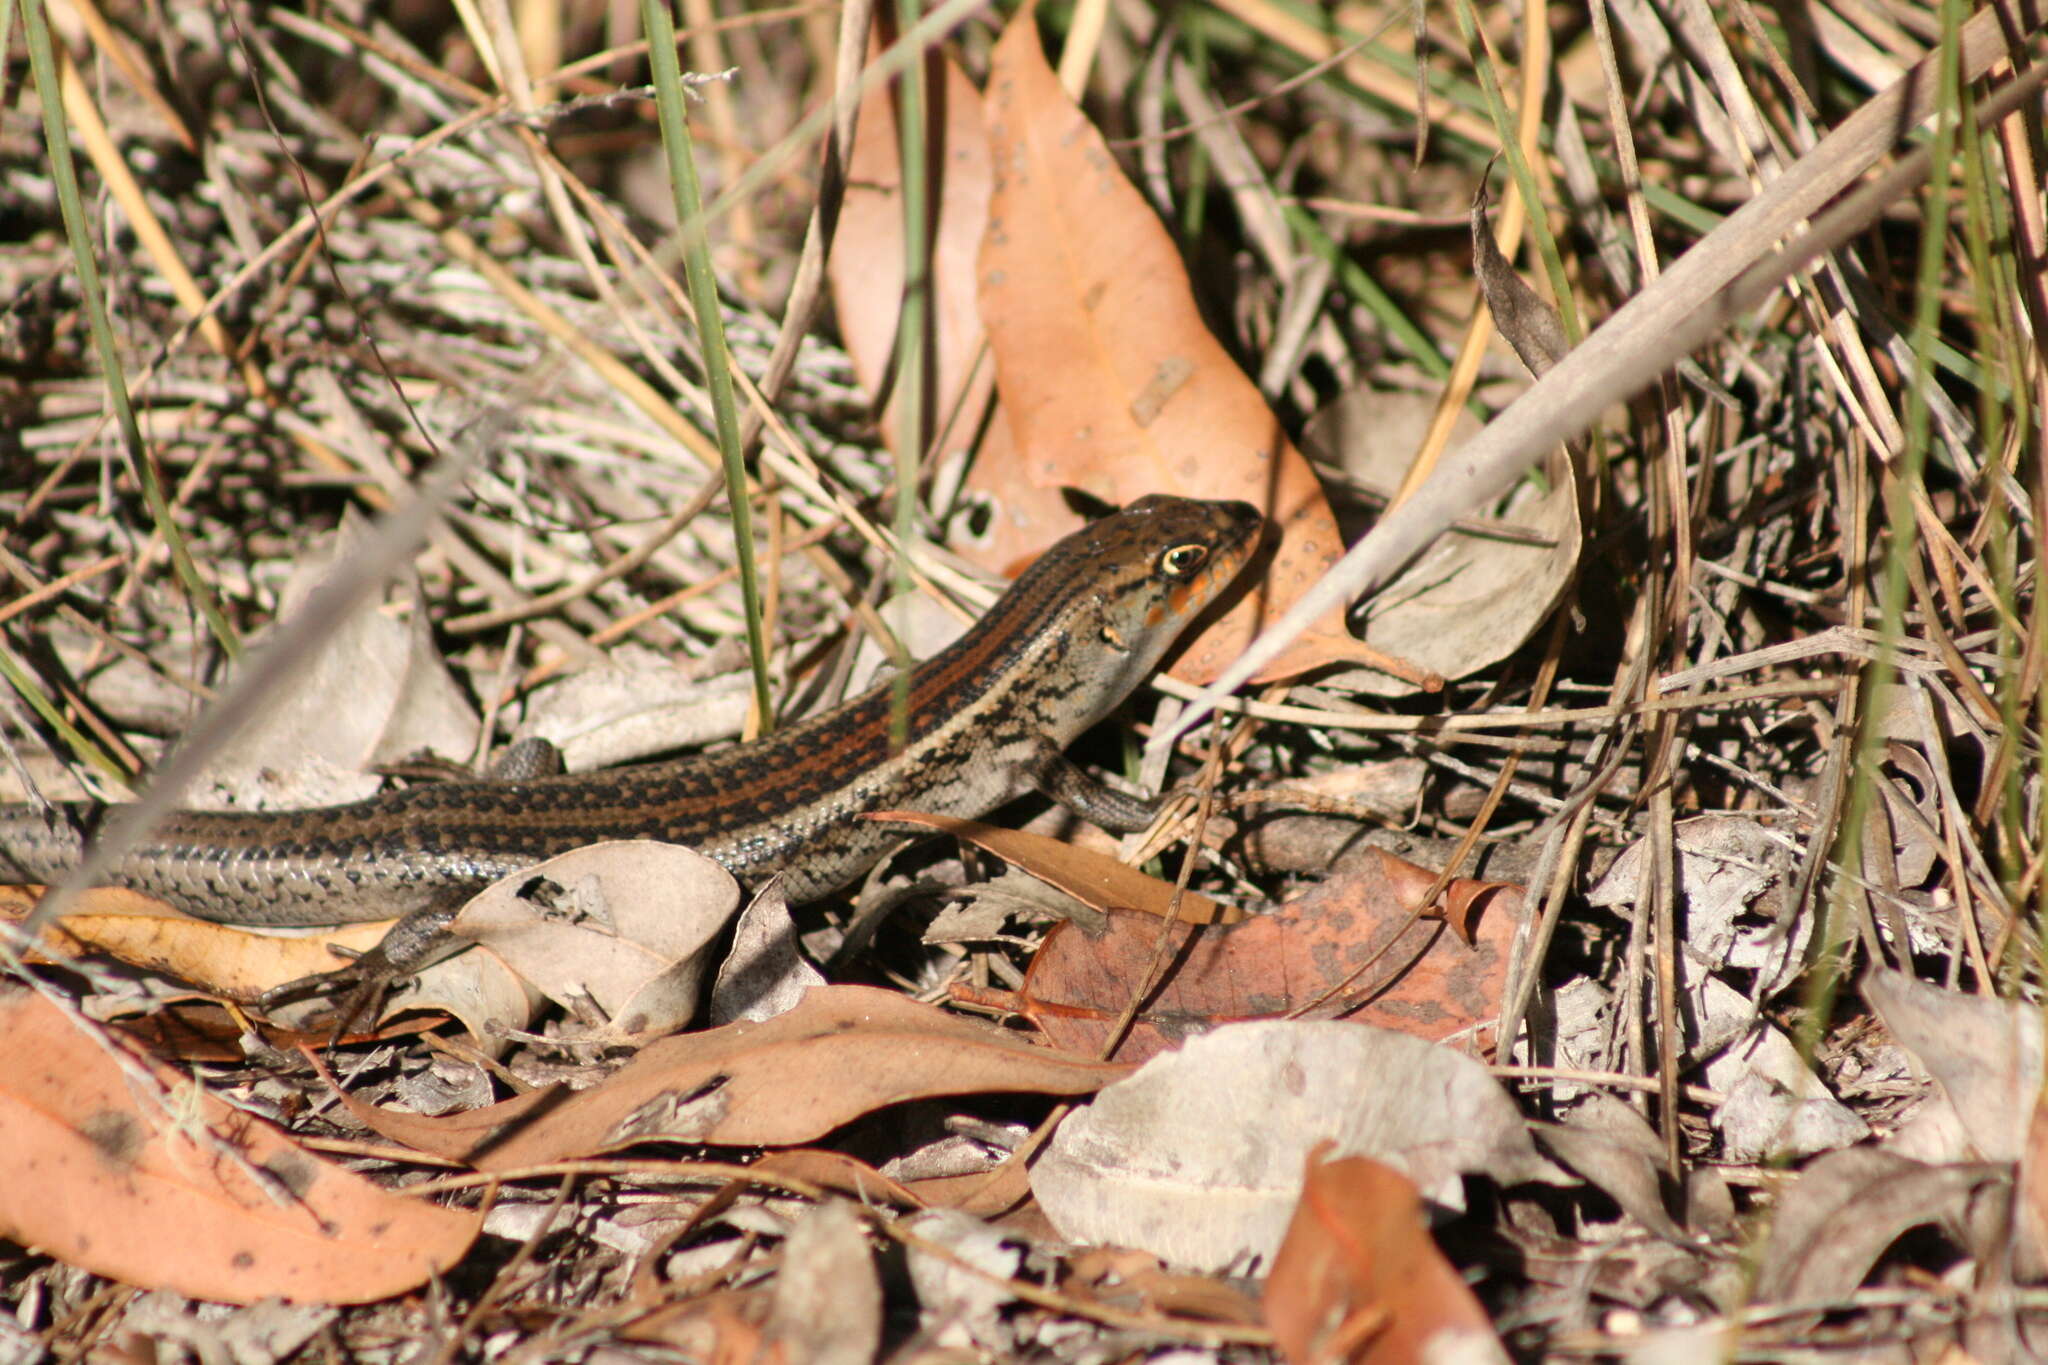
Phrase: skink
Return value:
(988, 719)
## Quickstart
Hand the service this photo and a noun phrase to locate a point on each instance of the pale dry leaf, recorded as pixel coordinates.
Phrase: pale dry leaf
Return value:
(1198, 1157)
(638, 703)
(483, 994)
(1774, 1107)
(1914, 814)
(765, 974)
(1985, 1057)
(1846, 1208)
(2030, 1207)
(825, 1307)
(1732, 874)
(624, 928)
(375, 690)
(260, 1333)
(958, 1308)
(1615, 1148)
(1472, 599)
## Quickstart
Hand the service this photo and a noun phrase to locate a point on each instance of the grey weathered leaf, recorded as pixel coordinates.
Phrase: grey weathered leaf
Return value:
(1198, 1157)
(1847, 1207)
(1529, 324)
(1986, 1056)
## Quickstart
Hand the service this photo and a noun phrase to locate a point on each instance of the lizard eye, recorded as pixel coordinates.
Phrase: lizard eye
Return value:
(1181, 561)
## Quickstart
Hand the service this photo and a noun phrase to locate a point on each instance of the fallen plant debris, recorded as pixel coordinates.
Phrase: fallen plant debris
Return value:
(1616, 937)
(126, 1168)
(1359, 1279)
(1356, 947)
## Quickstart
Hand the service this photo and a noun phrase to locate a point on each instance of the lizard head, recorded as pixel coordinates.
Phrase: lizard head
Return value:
(1129, 584)
(1091, 618)
(1165, 559)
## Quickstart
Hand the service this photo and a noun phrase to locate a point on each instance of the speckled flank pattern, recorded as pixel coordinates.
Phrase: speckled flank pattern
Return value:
(1073, 636)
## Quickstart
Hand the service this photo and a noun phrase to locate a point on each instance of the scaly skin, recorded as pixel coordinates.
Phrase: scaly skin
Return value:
(988, 718)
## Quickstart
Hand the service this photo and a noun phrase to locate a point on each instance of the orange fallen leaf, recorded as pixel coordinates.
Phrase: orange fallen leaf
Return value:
(203, 1030)
(866, 266)
(842, 1052)
(197, 1198)
(866, 274)
(242, 964)
(1358, 1280)
(1094, 879)
(1111, 381)
(145, 932)
(1429, 983)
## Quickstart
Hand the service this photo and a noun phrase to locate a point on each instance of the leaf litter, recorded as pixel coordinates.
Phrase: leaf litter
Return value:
(1774, 980)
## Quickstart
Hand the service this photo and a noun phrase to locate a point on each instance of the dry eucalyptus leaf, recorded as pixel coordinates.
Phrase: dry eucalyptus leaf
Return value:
(956, 1307)
(1984, 1055)
(1530, 325)
(866, 266)
(866, 273)
(483, 994)
(1732, 878)
(765, 973)
(1615, 1148)
(1914, 814)
(1470, 600)
(374, 690)
(1846, 1208)
(1111, 380)
(1776, 1107)
(623, 928)
(981, 912)
(638, 703)
(130, 1169)
(842, 1052)
(242, 963)
(1732, 874)
(825, 1307)
(1198, 1157)
(1359, 1280)
(145, 932)
(1420, 976)
(1095, 879)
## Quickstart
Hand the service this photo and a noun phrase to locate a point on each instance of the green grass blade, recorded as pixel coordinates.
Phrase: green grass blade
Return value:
(64, 172)
(670, 104)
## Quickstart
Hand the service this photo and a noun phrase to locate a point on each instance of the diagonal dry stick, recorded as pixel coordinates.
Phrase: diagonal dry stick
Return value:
(1726, 273)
